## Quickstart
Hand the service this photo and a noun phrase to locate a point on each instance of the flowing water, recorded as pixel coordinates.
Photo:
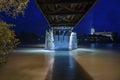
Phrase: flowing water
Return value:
(85, 63)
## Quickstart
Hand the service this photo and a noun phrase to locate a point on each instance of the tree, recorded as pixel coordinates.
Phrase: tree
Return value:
(13, 7)
(7, 36)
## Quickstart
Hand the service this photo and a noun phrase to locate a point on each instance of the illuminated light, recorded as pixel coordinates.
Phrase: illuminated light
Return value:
(91, 51)
(51, 64)
(71, 60)
(85, 49)
(61, 53)
(73, 41)
(33, 50)
(49, 43)
(92, 31)
(63, 39)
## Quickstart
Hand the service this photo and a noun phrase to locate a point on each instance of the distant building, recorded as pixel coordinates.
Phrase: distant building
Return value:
(99, 37)
(92, 31)
(111, 35)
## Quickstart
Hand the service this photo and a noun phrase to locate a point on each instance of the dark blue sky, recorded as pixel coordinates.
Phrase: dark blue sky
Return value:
(105, 16)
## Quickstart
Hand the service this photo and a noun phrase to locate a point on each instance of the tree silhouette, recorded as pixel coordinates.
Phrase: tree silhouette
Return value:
(7, 36)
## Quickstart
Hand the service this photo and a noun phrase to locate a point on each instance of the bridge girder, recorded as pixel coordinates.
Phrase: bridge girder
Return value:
(64, 12)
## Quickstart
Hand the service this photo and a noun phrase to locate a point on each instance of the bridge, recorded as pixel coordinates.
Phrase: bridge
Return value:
(63, 16)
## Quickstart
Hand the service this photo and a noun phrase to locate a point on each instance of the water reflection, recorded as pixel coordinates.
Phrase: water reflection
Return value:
(76, 64)
(65, 67)
(112, 46)
(100, 64)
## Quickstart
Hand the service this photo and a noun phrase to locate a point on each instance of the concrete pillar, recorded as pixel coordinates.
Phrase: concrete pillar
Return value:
(61, 38)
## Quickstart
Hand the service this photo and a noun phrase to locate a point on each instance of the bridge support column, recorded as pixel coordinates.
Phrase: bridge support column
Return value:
(49, 41)
(61, 38)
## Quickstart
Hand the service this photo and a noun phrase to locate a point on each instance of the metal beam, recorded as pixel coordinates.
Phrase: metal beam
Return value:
(63, 24)
(62, 1)
(65, 13)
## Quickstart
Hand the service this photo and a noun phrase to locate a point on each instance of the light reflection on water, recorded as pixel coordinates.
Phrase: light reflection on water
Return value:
(33, 50)
(102, 46)
(95, 61)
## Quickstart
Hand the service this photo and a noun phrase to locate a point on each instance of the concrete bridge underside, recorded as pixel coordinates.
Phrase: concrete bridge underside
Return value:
(63, 16)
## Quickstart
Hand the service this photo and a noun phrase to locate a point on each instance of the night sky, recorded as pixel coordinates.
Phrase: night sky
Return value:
(105, 16)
